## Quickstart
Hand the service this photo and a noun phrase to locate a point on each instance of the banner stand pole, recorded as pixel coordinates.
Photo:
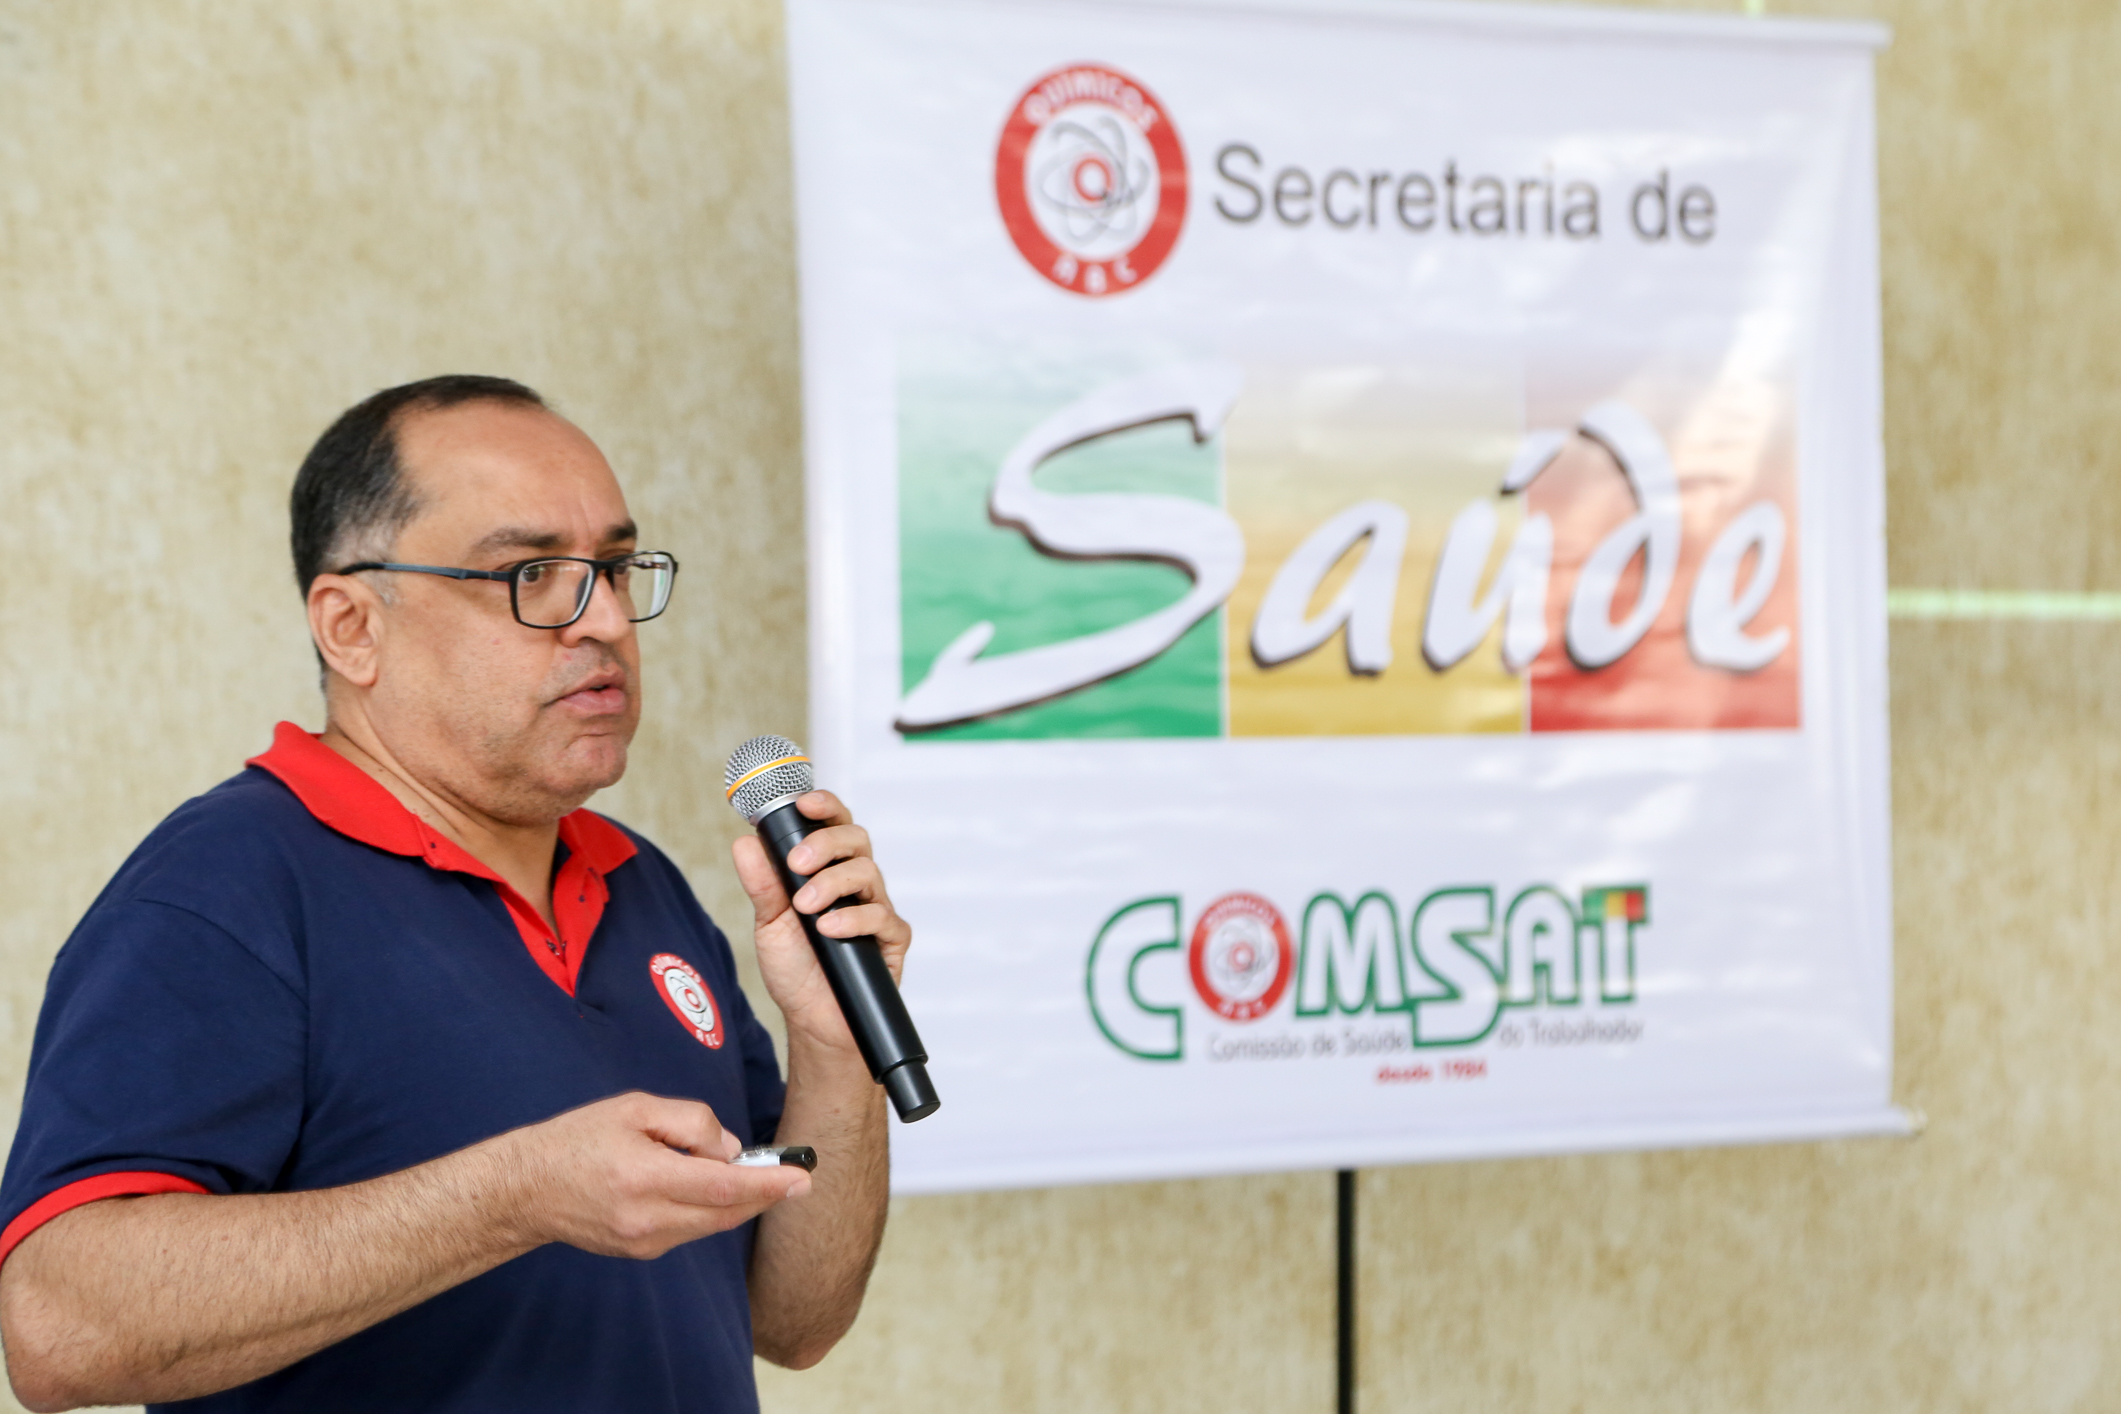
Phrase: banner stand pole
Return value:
(1344, 1314)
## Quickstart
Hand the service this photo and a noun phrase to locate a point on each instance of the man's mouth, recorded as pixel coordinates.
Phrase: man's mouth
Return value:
(598, 695)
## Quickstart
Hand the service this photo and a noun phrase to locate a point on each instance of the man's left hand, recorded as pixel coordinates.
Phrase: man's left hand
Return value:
(838, 862)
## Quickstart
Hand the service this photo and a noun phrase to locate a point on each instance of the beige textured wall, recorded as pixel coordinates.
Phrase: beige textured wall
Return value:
(220, 223)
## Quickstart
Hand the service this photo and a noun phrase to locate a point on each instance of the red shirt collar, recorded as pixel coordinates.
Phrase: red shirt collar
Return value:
(345, 797)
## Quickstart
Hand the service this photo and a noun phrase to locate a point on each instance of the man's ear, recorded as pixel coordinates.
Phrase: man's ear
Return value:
(346, 622)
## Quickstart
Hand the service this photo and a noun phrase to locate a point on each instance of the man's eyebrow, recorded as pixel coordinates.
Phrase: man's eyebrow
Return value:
(516, 537)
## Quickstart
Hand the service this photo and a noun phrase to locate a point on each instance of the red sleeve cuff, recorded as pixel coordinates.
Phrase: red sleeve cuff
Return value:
(88, 1190)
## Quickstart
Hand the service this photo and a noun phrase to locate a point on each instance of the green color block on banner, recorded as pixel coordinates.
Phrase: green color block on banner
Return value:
(959, 415)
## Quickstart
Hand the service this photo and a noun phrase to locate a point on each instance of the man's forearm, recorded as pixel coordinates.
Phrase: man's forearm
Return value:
(134, 1300)
(142, 1300)
(811, 1262)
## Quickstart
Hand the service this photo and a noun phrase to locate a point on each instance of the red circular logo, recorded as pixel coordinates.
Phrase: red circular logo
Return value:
(1091, 180)
(1241, 959)
(687, 997)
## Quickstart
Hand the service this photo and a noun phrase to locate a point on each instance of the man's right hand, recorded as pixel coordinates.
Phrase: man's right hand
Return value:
(632, 1176)
(177, 1295)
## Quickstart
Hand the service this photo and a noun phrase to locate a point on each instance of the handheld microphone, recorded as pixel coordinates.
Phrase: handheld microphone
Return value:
(765, 776)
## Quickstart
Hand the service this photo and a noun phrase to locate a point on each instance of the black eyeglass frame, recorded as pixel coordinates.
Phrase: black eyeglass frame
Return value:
(599, 569)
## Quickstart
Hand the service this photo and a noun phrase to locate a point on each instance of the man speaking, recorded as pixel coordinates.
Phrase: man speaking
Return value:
(385, 1077)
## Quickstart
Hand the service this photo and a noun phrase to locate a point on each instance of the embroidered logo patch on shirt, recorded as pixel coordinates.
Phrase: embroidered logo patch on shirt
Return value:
(687, 997)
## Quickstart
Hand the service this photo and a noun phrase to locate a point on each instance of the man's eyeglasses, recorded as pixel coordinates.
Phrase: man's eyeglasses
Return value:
(554, 593)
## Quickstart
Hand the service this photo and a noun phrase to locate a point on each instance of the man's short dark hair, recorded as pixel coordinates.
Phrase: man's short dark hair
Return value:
(350, 498)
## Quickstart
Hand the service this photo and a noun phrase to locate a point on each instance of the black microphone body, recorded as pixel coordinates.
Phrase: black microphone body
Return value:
(861, 983)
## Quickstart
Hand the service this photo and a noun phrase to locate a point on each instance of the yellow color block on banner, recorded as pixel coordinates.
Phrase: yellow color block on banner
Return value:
(1307, 443)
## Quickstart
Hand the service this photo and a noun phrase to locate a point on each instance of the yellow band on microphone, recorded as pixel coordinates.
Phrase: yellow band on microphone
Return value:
(757, 771)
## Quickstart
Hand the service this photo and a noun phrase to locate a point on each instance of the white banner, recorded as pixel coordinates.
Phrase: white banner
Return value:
(1347, 573)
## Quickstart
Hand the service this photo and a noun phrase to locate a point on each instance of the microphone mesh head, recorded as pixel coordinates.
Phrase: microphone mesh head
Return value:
(763, 770)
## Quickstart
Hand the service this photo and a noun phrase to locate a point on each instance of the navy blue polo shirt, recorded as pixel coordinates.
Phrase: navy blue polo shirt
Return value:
(295, 984)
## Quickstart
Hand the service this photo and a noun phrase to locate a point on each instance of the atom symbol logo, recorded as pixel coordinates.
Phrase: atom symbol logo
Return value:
(686, 994)
(1091, 180)
(1240, 959)
(1088, 185)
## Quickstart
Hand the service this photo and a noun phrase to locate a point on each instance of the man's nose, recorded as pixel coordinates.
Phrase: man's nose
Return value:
(605, 620)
